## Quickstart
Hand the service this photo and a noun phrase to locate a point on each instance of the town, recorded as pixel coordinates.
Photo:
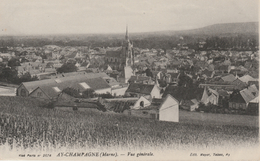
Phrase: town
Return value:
(149, 83)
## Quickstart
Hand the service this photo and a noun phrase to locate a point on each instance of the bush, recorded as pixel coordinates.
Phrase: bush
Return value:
(50, 105)
(67, 67)
(72, 92)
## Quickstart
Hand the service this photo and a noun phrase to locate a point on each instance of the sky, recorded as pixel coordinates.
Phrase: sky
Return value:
(111, 16)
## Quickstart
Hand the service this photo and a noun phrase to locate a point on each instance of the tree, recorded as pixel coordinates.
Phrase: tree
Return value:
(67, 67)
(148, 73)
(9, 75)
(13, 62)
(185, 81)
(89, 93)
(26, 78)
(72, 92)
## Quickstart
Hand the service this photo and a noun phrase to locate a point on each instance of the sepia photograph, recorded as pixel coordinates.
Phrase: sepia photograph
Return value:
(129, 80)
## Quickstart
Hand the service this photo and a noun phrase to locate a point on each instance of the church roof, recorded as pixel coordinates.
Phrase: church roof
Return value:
(114, 53)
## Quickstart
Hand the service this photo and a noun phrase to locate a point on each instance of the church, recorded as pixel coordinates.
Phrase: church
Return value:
(122, 59)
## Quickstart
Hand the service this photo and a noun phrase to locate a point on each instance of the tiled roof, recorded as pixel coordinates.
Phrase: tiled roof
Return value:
(140, 88)
(50, 91)
(246, 78)
(184, 93)
(228, 78)
(255, 100)
(97, 83)
(249, 93)
(63, 82)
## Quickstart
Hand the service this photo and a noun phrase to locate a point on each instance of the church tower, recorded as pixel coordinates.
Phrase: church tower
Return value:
(129, 57)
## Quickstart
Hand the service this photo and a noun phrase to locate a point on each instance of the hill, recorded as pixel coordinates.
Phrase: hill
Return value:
(227, 28)
(218, 29)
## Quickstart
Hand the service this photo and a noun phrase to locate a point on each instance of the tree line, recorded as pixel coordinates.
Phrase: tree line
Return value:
(153, 41)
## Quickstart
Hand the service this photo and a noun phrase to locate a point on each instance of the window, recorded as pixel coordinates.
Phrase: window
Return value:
(39, 94)
(145, 112)
(234, 105)
(56, 89)
(142, 103)
(23, 92)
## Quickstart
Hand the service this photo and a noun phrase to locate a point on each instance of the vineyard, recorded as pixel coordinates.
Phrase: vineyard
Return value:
(25, 124)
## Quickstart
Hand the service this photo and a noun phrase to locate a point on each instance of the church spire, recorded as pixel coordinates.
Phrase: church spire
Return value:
(126, 34)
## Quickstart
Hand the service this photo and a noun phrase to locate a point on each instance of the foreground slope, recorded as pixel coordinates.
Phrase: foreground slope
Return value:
(25, 124)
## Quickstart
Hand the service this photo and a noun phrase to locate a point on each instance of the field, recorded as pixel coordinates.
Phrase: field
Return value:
(24, 124)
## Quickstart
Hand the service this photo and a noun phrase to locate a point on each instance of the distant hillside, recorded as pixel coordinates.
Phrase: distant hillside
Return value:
(229, 28)
(219, 29)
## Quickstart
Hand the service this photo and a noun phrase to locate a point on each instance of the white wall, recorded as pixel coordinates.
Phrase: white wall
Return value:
(137, 103)
(119, 91)
(7, 91)
(156, 92)
(128, 73)
(101, 91)
(169, 110)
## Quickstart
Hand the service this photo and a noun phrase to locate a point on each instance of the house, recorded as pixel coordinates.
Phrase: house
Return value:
(210, 96)
(253, 106)
(147, 90)
(183, 93)
(238, 84)
(241, 99)
(26, 88)
(46, 93)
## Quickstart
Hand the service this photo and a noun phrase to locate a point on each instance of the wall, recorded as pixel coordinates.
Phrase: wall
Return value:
(102, 91)
(7, 91)
(169, 110)
(137, 103)
(19, 91)
(128, 73)
(234, 105)
(39, 94)
(118, 91)
(156, 92)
